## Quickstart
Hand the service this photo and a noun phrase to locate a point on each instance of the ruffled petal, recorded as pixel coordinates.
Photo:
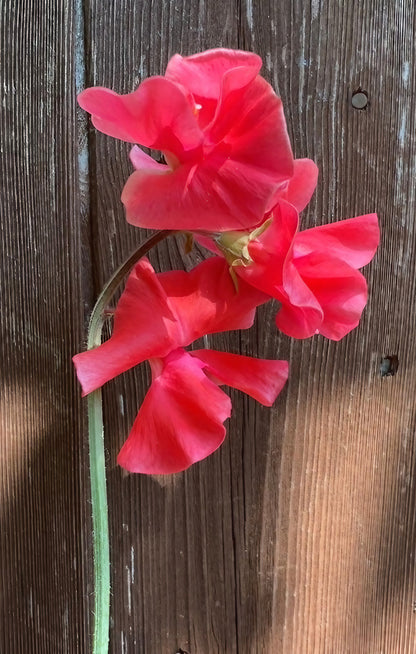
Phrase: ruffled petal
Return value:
(270, 251)
(262, 379)
(159, 115)
(143, 161)
(354, 240)
(144, 326)
(178, 199)
(300, 315)
(301, 185)
(340, 290)
(205, 300)
(180, 421)
(251, 121)
(217, 194)
(202, 74)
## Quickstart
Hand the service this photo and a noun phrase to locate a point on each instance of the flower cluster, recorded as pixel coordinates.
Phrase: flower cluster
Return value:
(231, 180)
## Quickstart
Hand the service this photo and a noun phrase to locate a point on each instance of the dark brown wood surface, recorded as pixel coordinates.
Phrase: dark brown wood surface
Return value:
(298, 535)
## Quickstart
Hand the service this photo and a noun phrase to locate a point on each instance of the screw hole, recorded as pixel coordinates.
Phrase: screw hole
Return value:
(359, 99)
(389, 365)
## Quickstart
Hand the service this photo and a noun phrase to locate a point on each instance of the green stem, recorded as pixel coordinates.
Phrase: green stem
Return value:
(101, 549)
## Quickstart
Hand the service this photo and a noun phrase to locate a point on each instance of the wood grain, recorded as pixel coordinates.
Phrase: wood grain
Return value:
(44, 510)
(298, 535)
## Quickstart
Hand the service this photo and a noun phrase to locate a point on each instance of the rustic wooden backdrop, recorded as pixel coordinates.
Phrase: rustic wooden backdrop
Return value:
(298, 535)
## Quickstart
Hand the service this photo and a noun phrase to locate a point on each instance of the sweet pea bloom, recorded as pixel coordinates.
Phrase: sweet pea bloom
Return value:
(223, 134)
(181, 419)
(313, 273)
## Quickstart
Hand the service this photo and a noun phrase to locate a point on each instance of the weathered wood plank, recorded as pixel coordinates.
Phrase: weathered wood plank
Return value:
(344, 574)
(44, 510)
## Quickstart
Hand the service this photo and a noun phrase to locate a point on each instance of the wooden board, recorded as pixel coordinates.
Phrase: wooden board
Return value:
(298, 535)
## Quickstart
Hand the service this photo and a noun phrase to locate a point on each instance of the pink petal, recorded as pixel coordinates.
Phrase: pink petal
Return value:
(208, 243)
(211, 74)
(179, 422)
(273, 272)
(205, 300)
(302, 185)
(252, 122)
(157, 115)
(217, 194)
(354, 240)
(300, 315)
(263, 379)
(144, 326)
(340, 290)
(202, 74)
(270, 251)
(142, 161)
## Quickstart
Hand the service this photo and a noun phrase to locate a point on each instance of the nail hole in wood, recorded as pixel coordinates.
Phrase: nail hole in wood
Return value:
(389, 365)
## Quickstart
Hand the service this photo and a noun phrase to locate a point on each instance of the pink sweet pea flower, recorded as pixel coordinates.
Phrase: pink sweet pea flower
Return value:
(181, 419)
(222, 131)
(314, 273)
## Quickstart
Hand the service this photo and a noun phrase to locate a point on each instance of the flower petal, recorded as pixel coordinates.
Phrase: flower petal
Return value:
(181, 199)
(252, 122)
(354, 240)
(144, 326)
(143, 161)
(203, 73)
(340, 290)
(270, 251)
(159, 115)
(206, 301)
(180, 421)
(263, 379)
(301, 186)
(300, 315)
(224, 191)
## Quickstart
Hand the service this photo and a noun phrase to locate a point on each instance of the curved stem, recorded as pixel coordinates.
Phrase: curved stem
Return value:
(101, 549)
